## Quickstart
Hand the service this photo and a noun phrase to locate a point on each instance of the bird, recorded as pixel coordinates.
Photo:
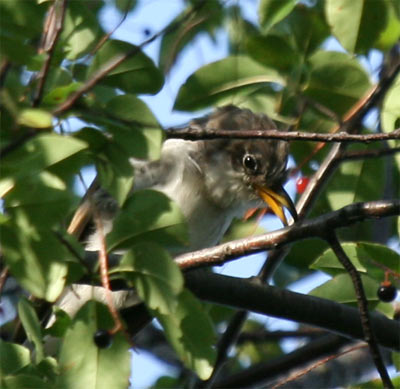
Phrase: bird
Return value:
(212, 181)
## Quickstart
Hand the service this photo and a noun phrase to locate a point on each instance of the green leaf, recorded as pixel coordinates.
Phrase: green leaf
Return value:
(136, 74)
(38, 153)
(25, 381)
(82, 363)
(357, 181)
(273, 51)
(43, 198)
(35, 117)
(191, 334)
(35, 257)
(223, 80)
(125, 5)
(22, 19)
(187, 26)
(390, 113)
(148, 215)
(388, 38)
(341, 289)
(356, 24)
(142, 123)
(154, 274)
(16, 51)
(271, 12)
(336, 80)
(32, 327)
(60, 94)
(371, 258)
(305, 27)
(13, 357)
(81, 31)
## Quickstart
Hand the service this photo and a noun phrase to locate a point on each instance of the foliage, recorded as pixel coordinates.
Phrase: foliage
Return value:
(282, 65)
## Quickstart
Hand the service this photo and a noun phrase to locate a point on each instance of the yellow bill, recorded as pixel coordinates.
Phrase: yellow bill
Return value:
(277, 200)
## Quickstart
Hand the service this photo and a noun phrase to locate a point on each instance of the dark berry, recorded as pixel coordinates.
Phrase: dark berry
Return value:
(102, 339)
(387, 293)
(301, 184)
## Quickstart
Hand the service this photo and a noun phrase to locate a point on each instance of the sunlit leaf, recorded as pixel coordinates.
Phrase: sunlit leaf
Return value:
(35, 257)
(271, 11)
(355, 23)
(36, 118)
(91, 369)
(341, 289)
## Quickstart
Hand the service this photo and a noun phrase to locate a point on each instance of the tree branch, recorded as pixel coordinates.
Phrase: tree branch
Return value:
(197, 133)
(317, 227)
(52, 30)
(272, 301)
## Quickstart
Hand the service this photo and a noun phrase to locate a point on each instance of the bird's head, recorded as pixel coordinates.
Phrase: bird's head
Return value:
(245, 173)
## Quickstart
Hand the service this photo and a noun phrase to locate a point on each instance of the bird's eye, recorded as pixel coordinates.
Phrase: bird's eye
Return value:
(249, 162)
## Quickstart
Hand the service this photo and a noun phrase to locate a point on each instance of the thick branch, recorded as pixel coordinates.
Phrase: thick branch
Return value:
(272, 301)
(310, 228)
(197, 133)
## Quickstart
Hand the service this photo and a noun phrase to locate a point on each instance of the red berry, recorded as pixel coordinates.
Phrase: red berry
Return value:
(301, 184)
(387, 293)
(102, 339)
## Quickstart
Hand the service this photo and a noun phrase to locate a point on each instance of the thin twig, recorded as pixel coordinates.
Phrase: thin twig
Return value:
(52, 30)
(197, 133)
(363, 307)
(103, 264)
(364, 154)
(315, 365)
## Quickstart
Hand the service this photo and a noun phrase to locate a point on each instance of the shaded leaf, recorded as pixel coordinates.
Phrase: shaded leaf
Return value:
(188, 25)
(137, 74)
(140, 118)
(148, 215)
(191, 334)
(221, 80)
(25, 381)
(390, 113)
(273, 51)
(13, 357)
(32, 327)
(336, 80)
(357, 181)
(154, 274)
